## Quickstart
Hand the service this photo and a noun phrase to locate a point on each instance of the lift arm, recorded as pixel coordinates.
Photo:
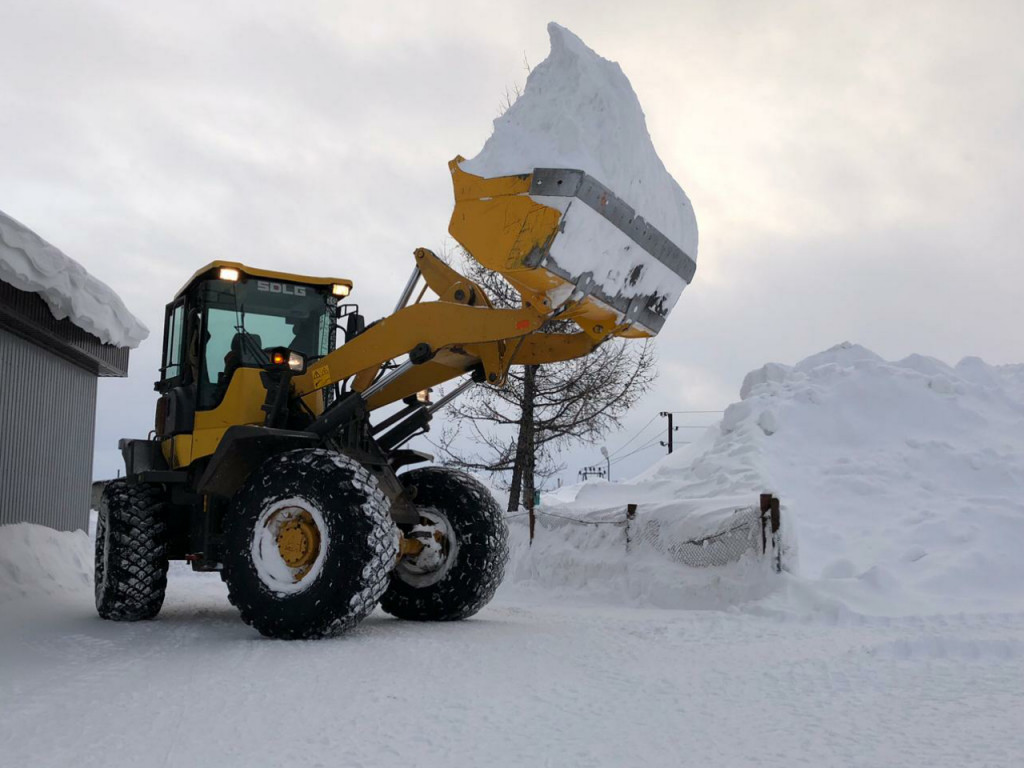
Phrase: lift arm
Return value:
(459, 332)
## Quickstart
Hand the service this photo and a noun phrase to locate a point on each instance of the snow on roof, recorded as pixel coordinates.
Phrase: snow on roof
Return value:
(31, 264)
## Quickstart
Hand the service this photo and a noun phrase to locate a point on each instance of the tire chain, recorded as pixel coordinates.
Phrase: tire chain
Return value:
(383, 540)
(471, 583)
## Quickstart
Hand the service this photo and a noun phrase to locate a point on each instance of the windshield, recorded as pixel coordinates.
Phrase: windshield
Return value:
(244, 320)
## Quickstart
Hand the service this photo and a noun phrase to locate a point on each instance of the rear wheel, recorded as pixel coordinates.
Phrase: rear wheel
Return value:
(465, 547)
(130, 577)
(308, 545)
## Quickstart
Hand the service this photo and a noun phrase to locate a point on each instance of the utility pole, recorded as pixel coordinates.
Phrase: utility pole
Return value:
(604, 452)
(670, 430)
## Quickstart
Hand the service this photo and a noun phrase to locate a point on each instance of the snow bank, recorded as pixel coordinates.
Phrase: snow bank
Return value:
(579, 111)
(37, 560)
(907, 477)
(580, 544)
(593, 560)
(31, 264)
(903, 482)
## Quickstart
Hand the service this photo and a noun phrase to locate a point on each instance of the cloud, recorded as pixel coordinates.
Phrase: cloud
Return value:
(855, 168)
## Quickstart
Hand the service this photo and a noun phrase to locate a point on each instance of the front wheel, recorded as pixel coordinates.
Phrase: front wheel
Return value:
(309, 544)
(465, 547)
(131, 551)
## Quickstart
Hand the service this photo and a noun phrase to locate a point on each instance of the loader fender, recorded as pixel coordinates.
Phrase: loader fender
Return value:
(244, 448)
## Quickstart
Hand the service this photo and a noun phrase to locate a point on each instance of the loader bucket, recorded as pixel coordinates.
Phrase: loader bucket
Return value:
(561, 234)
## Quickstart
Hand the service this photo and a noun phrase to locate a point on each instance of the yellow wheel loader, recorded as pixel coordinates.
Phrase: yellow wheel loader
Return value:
(268, 462)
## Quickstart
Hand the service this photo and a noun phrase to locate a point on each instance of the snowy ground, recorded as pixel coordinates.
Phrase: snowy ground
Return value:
(529, 682)
(535, 679)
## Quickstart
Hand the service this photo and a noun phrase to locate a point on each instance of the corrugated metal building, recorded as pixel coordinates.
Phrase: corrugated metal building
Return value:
(48, 373)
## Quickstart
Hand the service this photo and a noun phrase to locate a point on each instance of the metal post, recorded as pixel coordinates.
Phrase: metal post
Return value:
(409, 287)
(670, 430)
(630, 517)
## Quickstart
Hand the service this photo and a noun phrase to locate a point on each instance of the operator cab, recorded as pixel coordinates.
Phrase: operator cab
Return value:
(230, 316)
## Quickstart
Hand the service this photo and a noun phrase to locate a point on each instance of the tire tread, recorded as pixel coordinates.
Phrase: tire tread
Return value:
(483, 550)
(136, 564)
(346, 480)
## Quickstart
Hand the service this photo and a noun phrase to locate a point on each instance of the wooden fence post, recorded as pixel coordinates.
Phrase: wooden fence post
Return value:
(776, 520)
(771, 520)
(766, 505)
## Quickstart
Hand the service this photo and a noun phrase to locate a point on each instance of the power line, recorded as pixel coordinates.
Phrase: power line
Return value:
(610, 457)
(651, 444)
(635, 436)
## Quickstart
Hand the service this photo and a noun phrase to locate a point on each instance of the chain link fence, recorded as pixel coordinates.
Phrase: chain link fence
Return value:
(741, 533)
(750, 529)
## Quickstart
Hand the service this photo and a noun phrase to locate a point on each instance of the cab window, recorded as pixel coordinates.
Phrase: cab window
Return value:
(242, 323)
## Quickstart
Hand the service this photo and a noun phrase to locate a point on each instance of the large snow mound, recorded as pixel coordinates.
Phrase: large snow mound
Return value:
(903, 482)
(907, 477)
(31, 264)
(37, 560)
(578, 110)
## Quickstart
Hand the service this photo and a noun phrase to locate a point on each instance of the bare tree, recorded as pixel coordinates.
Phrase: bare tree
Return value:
(519, 431)
(512, 94)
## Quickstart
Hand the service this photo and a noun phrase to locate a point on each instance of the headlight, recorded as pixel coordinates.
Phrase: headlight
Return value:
(339, 289)
(227, 273)
(423, 396)
(285, 358)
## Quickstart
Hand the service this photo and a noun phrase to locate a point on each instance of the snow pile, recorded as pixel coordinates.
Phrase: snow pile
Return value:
(579, 111)
(31, 264)
(569, 556)
(907, 477)
(903, 482)
(37, 560)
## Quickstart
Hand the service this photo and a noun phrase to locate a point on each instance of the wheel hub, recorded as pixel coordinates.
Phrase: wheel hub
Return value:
(298, 539)
(426, 549)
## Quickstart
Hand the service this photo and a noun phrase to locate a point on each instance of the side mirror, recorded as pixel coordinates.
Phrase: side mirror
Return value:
(354, 325)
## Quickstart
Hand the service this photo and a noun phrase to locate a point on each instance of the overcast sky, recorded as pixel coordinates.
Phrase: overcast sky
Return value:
(856, 167)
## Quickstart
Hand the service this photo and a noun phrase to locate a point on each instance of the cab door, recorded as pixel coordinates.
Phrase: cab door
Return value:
(176, 408)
